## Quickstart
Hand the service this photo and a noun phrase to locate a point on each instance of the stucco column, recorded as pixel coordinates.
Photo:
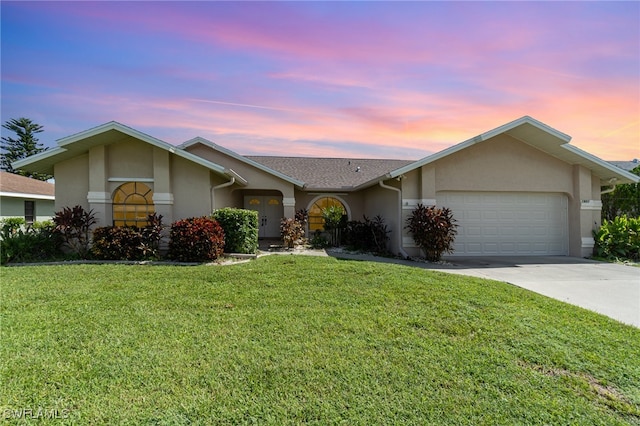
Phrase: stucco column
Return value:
(99, 197)
(162, 194)
(289, 205)
(426, 195)
(583, 210)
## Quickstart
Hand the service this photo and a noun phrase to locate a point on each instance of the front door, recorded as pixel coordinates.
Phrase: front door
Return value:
(270, 211)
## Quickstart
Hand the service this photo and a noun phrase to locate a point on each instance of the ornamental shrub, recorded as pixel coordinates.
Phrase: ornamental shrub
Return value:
(240, 229)
(33, 243)
(368, 235)
(117, 243)
(618, 239)
(128, 242)
(11, 225)
(152, 235)
(74, 225)
(292, 232)
(433, 230)
(319, 241)
(196, 239)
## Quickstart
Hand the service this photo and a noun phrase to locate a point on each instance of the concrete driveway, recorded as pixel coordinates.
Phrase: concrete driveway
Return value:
(609, 289)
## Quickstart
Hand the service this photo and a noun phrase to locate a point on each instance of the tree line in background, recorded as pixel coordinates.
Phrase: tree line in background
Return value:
(23, 145)
(623, 201)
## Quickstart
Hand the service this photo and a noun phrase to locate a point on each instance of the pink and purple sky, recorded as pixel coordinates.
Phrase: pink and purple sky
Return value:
(342, 79)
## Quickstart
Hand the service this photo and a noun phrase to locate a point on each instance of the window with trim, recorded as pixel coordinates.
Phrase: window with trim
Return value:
(316, 222)
(29, 212)
(132, 204)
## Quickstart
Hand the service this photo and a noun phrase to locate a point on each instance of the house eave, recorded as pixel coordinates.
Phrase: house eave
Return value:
(540, 136)
(82, 142)
(241, 158)
(27, 195)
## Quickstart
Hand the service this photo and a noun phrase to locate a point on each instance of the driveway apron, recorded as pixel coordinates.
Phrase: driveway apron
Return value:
(609, 289)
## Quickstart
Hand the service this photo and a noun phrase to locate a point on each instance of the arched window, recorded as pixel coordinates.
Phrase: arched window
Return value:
(132, 203)
(315, 211)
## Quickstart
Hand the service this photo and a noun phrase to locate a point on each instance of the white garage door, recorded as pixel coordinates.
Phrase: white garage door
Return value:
(508, 223)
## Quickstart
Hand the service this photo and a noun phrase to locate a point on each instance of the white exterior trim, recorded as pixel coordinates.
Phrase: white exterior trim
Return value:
(412, 203)
(163, 198)
(98, 197)
(25, 195)
(123, 179)
(591, 205)
(588, 242)
(408, 242)
(66, 146)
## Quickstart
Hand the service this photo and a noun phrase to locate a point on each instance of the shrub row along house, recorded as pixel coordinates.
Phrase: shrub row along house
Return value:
(519, 189)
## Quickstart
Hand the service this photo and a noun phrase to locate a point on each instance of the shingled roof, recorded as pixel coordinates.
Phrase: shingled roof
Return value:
(330, 173)
(20, 186)
(626, 165)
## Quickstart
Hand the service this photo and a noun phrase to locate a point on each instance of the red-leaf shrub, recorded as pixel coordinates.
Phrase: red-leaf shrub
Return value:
(74, 225)
(433, 230)
(292, 232)
(369, 235)
(196, 239)
(117, 243)
(128, 242)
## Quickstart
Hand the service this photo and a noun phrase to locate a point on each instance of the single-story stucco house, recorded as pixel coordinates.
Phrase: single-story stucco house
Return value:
(519, 189)
(25, 197)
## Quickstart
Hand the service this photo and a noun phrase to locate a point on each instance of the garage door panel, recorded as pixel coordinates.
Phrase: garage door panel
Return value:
(508, 223)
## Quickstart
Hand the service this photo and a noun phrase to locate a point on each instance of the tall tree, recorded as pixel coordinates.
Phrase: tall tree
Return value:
(23, 146)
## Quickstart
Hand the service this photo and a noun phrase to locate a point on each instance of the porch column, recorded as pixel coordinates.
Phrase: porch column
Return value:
(162, 195)
(289, 205)
(584, 213)
(99, 197)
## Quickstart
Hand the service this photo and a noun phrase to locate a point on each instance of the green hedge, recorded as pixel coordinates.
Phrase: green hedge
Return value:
(240, 229)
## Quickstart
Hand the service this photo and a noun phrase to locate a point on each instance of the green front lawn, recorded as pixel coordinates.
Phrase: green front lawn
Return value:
(299, 339)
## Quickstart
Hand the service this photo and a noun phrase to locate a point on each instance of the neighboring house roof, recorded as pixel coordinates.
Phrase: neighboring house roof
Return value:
(13, 185)
(626, 165)
(331, 173)
(545, 138)
(80, 143)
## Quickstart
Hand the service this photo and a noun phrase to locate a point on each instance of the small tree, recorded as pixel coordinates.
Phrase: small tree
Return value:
(334, 220)
(25, 145)
(433, 230)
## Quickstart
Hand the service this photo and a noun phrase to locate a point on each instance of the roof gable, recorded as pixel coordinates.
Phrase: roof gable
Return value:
(245, 159)
(80, 143)
(537, 134)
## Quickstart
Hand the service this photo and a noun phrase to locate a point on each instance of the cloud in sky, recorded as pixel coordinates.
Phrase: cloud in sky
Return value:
(356, 79)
